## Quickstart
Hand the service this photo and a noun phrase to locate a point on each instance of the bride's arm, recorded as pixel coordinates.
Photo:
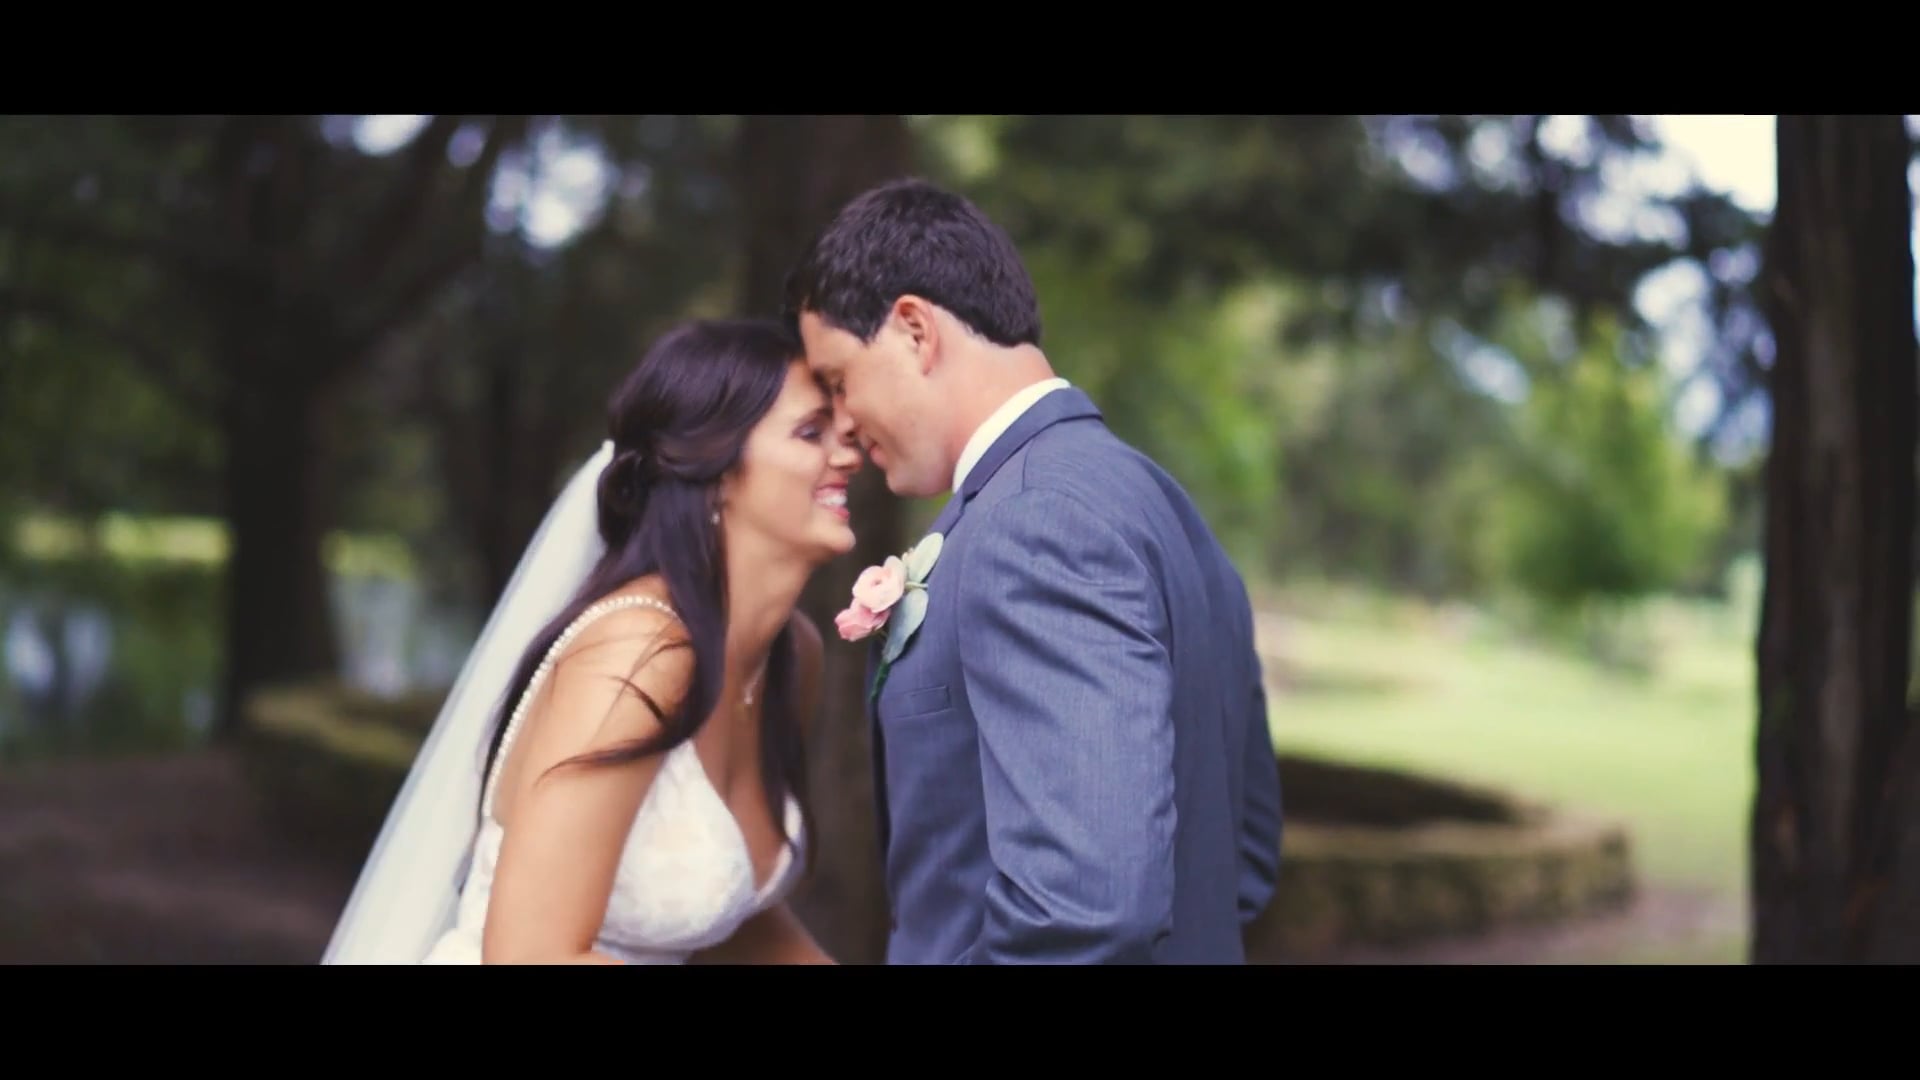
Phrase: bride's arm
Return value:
(566, 824)
(777, 936)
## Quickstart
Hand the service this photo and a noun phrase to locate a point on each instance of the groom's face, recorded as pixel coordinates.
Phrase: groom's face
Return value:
(882, 398)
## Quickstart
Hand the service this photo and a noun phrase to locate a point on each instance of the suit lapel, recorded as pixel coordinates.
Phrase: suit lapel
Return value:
(950, 513)
(1066, 403)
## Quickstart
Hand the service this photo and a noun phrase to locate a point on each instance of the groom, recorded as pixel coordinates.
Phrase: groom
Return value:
(1070, 734)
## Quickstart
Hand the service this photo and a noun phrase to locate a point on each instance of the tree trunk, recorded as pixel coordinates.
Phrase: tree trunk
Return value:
(279, 622)
(516, 477)
(1836, 820)
(795, 173)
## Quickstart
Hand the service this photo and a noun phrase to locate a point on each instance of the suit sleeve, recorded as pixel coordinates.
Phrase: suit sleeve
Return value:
(1072, 693)
(1261, 828)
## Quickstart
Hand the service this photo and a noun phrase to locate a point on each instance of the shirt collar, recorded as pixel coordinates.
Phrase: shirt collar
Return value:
(997, 425)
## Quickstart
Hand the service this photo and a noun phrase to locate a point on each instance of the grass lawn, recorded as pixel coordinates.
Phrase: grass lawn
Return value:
(1670, 753)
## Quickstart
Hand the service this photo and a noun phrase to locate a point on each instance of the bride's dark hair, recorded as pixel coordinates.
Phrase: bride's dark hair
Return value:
(678, 423)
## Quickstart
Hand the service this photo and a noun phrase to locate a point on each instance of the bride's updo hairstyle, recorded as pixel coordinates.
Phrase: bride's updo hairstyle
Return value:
(678, 423)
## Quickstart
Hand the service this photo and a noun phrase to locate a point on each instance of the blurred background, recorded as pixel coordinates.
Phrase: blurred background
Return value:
(1558, 449)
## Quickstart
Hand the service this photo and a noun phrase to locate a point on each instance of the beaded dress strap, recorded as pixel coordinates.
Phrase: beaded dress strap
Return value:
(540, 673)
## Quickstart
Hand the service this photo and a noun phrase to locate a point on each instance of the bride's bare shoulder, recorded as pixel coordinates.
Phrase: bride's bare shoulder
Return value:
(639, 642)
(612, 685)
(625, 669)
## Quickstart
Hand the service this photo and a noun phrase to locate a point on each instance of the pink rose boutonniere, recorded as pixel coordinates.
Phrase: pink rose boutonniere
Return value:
(891, 597)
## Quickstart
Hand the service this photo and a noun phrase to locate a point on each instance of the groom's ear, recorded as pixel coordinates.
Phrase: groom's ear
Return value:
(919, 323)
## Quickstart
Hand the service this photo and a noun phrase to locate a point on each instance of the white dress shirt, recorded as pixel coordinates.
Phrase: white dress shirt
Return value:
(997, 425)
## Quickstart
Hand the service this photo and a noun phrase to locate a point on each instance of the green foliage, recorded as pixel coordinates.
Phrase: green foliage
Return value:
(154, 586)
(90, 420)
(1193, 384)
(161, 622)
(1381, 460)
(1450, 696)
(1374, 450)
(327, 761)
(1604, 502)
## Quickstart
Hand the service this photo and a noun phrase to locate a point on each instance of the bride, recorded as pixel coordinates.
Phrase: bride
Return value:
(639, 692)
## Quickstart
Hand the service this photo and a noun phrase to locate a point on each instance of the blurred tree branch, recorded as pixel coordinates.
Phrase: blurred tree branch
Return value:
(295, 256)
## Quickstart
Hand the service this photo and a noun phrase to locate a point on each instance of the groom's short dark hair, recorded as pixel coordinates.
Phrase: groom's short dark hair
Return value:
(912, 236)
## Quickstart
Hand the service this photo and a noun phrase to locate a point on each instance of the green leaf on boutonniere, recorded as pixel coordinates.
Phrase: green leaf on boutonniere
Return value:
(910, 610)
(907, 614)
(920, 559)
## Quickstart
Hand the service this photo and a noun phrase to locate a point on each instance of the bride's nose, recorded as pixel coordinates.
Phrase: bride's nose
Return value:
(845, 456)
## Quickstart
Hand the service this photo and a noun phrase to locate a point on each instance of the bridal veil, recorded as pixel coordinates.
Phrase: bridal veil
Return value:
(410, 884)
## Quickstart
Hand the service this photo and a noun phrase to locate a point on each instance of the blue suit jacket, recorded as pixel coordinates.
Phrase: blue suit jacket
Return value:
(1072, 756)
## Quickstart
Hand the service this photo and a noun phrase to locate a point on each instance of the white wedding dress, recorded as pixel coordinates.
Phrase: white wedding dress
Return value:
(685, 880)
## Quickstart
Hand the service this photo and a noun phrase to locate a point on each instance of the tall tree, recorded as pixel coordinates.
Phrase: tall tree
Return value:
(273, 258)
(514, 372)
(1409, 242)
(1836, 819)
(795, 174)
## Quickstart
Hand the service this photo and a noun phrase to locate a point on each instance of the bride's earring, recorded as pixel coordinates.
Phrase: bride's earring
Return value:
(716, 517)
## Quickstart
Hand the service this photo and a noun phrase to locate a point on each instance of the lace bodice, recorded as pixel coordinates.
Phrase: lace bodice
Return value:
(686, 878)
